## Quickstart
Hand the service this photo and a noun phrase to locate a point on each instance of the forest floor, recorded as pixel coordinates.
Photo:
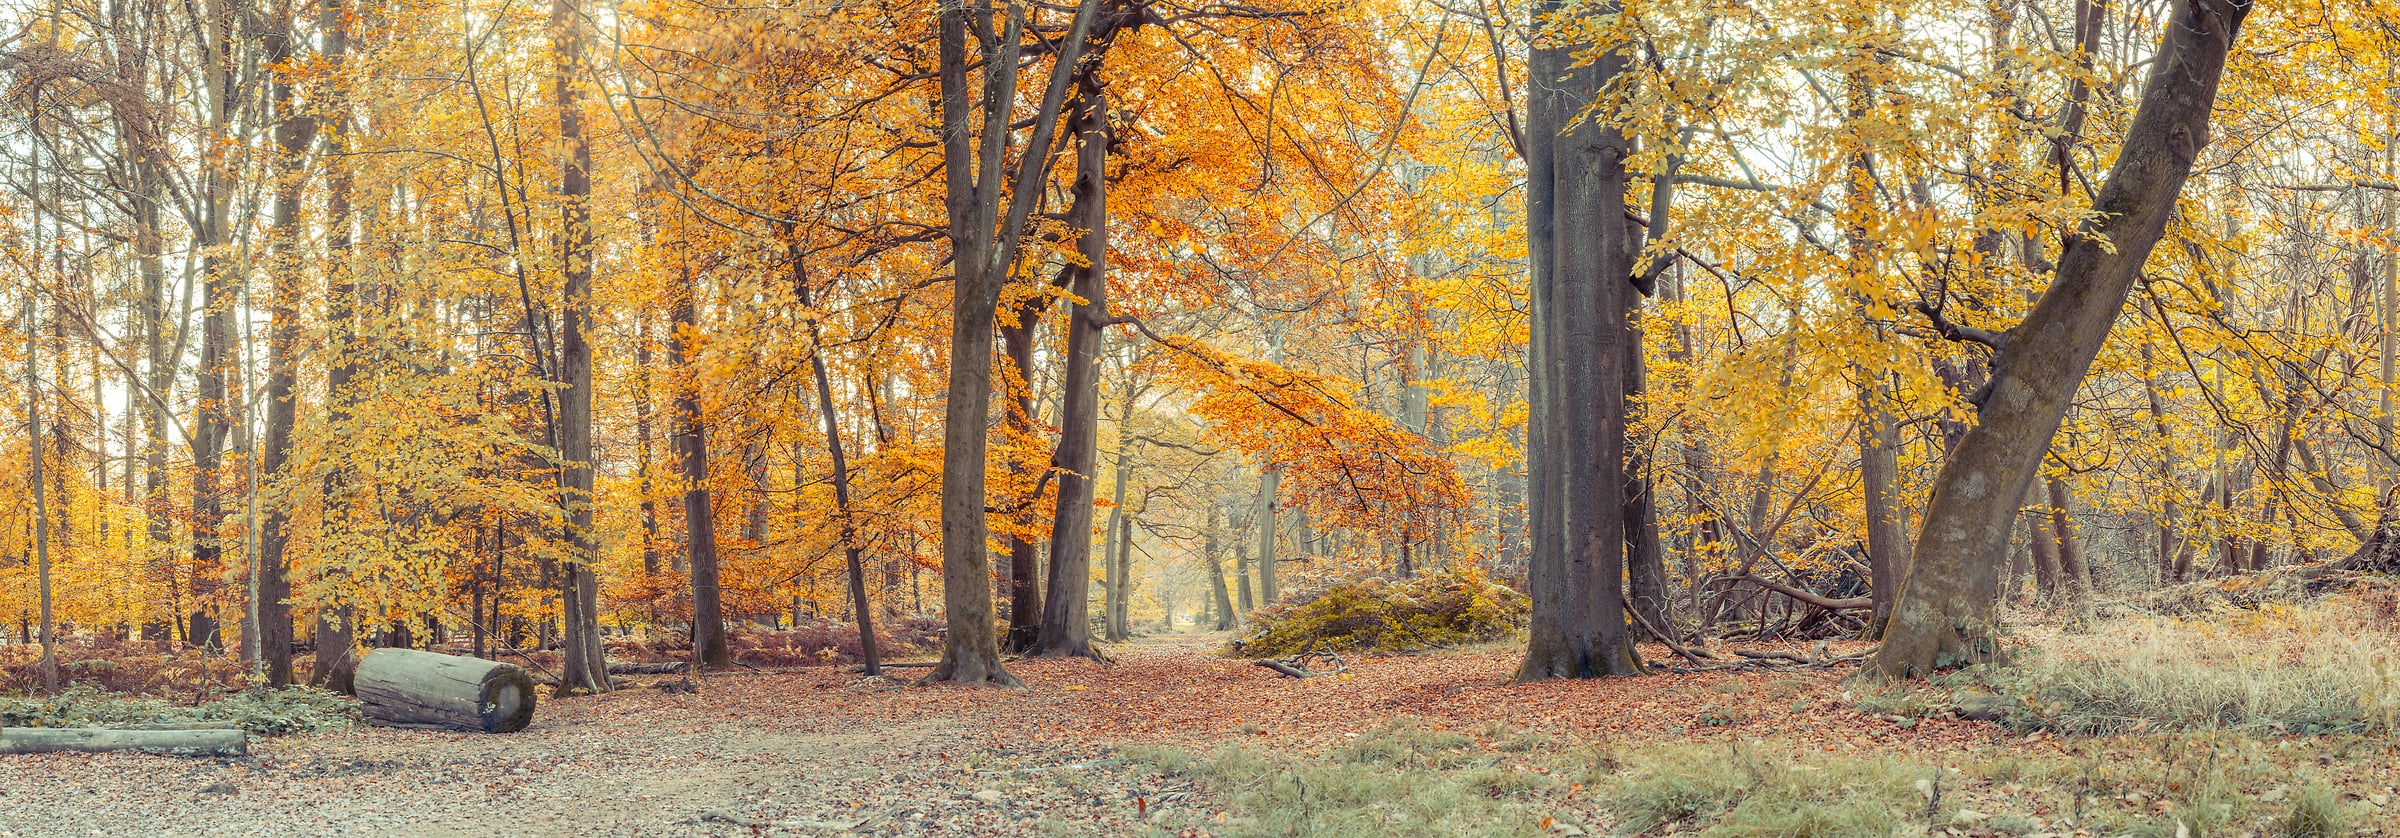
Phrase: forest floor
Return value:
(1172, 739)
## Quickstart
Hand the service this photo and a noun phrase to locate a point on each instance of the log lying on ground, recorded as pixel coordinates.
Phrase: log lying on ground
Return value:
(202, 742)
(668, 668)
(426, 691)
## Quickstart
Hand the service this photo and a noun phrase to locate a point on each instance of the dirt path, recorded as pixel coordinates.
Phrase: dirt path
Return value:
(820, 752)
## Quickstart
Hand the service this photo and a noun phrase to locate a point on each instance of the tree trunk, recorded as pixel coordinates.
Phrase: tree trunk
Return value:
(642, 434)
(1946, 612)
(1581, 252)
(295, 131)
(983, 241)
(1066, 629)
(2074, 577)
(427, 691)
(1269, 484)
(584, 667)
(851, 552)
(336, 635)
(2042, 543)
(1215, 569)
(699, 510)
(1023, 585)
(1645, 552)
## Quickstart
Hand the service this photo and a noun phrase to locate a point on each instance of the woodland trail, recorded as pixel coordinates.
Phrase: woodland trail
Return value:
(821, 751)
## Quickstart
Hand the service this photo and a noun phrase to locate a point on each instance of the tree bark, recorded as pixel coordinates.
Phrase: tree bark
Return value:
(583, 667)
(1066, 629)
(199, 742)
(1946, 615)
(984, 240)
(336, 632)
(2074, 576)
(1581, 255)
(699, 509)
(406, 688)
(295, 131)
(852, 554)
(1209, 564)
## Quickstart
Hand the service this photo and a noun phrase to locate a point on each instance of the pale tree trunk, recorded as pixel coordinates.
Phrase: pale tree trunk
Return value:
(1946, 615)
(41, 497)
(1066, 620)
(1226, 618)
(210, 421)
(709, 649)
(1582, 283)
(584, 667)
(2042, 543)
(642, 439)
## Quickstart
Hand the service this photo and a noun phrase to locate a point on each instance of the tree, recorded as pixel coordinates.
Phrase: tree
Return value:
(985, 227)
(1945, 614)
(1581, 250)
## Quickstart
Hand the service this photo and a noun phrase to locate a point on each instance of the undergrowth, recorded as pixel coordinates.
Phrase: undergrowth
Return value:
(265, 713)
(1405, 779)
(1435, 610)
(2332, 668)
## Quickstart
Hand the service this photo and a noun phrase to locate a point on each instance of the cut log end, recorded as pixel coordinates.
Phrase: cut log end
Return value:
(422, 690)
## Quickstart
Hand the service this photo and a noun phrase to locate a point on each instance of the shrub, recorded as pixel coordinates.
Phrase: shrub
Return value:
(1379, 615)
(114, 664)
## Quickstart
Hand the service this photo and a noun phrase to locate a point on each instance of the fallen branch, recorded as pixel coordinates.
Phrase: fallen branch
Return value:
(1847, 604)
(1288, 670)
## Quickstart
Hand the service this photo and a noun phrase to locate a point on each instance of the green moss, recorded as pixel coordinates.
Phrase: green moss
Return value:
(1378, 615)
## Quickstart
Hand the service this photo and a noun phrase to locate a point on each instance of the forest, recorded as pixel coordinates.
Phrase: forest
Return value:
(1729, 417)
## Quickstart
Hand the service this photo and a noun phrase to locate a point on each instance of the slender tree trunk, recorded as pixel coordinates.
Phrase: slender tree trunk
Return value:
(583, 667)
(699, 510)
(2042, 543)
(642, 440)
(1645, 552)
(1023, 584)
(1946, 612)
(2074, 576)
(1066, 629)
(852, 555)
(1209, 564)
(337, 625)
(295, 131)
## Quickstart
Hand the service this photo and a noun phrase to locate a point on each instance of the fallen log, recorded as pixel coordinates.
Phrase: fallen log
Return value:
(426, 691)
(203, 742)
(668, 668)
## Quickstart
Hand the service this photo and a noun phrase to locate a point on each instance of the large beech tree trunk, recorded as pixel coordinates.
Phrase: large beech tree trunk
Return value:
(1066, 629)
(1582, 259)
(1947, 614)
(425, 690)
